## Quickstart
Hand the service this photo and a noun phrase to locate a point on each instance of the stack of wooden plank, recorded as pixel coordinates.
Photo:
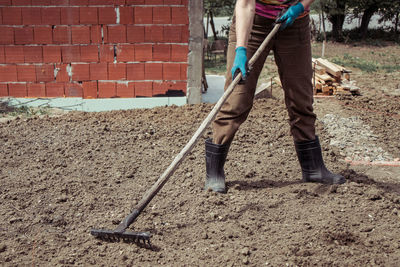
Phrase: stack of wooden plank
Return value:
(330, 79)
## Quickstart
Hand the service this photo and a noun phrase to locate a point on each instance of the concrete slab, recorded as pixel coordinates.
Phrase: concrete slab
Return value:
(96, 105)
(215, 88)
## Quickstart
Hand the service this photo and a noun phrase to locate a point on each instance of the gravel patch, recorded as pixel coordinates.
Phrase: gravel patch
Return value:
(355, 139)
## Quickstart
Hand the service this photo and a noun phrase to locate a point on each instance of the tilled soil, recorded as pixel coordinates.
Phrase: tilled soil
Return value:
(62, 176)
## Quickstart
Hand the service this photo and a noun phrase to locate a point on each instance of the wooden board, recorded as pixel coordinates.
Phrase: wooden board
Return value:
(325, 77)
(330, 68)
(318, 69)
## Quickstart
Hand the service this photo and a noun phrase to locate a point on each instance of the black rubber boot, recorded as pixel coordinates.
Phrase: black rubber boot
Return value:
(312, 164)
(215, 160)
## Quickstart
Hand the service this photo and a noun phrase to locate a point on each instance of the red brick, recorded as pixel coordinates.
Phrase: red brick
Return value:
(80, 34)
(55, 90)
(12, 15)
(106, 53)
(119, 2)
(89, 53)
(14, 54)
(125, 52)
(17, 89)
(153, 71)
(45, 73)
(90, 89)
(185, 2)
(143, 52)
(31, 16)
(61, 73)
(116, 71)
(162, 52)
(101, 2)
(179, 53)
(70, 54)
(21, 2)
(98, 71)
(172, 2)
(143, 15)
(23, 35)
(162, 15)
(59, 2)
(62, 35)
(176, 86)
(106, 89)
(33, 54)
(134, 2)
(184, 69)
(185, 34)
(126, 15)
(154, 34)
(117, 34)
(51, 54)
(5, 2)
(80, 72)
(7, 35)
(135, 34)
(104, 33)
(78, 2)
(51, 16)
(88, 15)
(26, 73)
(135, 71)
(159, 89)
(144, 89)
(125, 89)
(36, 89)
(41, 2)
(43, 35)
(3, 90)
(172, 34)
(8, 73)
(73, 90)
(107, 15)
(70, 15)
(154, 2)
(180, 15)
(2, 55)
(171, 71)
(95, 34)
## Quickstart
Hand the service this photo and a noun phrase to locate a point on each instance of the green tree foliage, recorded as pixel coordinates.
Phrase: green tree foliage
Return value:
(220, 7)
(337, 10)
(214, 8)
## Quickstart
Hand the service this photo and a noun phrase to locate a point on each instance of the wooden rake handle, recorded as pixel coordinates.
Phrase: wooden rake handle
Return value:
(148, 196)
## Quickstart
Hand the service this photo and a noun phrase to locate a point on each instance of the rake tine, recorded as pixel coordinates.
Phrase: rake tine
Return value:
(141, 238)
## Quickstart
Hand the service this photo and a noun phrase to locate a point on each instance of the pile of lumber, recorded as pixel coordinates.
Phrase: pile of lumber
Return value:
(330, 79)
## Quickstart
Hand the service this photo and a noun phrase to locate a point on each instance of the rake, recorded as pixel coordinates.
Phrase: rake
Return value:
(121, 232)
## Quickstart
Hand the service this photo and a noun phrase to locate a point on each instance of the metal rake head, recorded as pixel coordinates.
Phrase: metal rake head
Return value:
(140, 238)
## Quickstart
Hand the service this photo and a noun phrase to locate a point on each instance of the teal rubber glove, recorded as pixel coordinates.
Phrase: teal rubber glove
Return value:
(290, 15)
(240, 63)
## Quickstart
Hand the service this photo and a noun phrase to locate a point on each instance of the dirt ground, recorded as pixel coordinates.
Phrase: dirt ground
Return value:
(64, 175)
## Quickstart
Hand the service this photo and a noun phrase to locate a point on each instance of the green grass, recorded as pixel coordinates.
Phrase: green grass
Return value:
(25, 111)
(215, 65)
(365, 65)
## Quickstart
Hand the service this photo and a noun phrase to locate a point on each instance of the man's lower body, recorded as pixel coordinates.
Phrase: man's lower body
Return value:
(292, 52)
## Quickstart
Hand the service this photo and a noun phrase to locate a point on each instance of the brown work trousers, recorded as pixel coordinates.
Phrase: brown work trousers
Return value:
(292, 52)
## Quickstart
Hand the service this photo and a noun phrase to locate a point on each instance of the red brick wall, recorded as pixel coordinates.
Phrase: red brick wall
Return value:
(93, 48)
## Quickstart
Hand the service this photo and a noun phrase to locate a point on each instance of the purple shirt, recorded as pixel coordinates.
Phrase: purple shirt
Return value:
(272, 8)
